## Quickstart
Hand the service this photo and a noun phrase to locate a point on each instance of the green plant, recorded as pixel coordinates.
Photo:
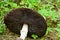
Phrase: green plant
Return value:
(34, 36)
(58, 30)
(5, 6)
(2, 25)
(48, 30)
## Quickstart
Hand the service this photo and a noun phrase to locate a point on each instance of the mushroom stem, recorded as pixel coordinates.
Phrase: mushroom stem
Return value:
(24, 31)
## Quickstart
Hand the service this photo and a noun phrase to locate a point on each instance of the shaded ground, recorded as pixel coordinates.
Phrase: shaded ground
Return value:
(11, 36)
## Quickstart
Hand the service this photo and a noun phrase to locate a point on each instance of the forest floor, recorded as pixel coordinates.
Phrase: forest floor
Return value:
(11, 36)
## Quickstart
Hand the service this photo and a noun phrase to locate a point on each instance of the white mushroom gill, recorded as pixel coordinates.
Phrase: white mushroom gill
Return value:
(24, 32)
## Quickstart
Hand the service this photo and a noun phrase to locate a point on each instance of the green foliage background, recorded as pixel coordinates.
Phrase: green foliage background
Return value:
(49, 9)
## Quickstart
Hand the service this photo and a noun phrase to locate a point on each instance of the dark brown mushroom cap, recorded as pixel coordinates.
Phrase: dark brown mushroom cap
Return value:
(15, 19)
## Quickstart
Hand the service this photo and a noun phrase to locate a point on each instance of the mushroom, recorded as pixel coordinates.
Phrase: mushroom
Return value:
(25, 22)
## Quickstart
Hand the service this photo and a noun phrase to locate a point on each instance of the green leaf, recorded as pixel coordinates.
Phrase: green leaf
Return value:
(6, 0)
(58, 30)
(1, 29)
(34, 36)
(48, 30)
